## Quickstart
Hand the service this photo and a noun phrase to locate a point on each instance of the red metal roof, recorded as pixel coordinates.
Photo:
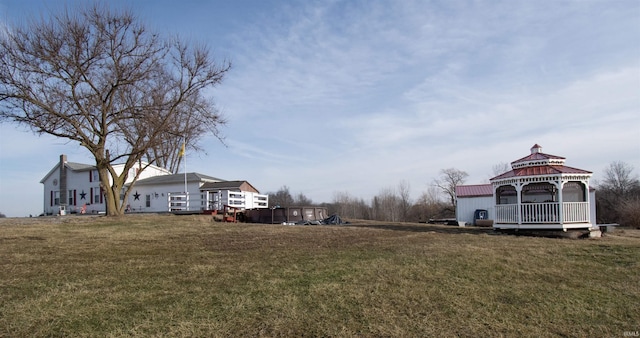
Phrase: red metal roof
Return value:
(541, 170)
(474, 190)
(538, 156)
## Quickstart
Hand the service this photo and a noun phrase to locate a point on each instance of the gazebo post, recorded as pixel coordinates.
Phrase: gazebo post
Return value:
(518, 187)
(561, 204)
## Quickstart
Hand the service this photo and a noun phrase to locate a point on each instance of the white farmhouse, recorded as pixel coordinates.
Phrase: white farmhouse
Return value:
(75, 187)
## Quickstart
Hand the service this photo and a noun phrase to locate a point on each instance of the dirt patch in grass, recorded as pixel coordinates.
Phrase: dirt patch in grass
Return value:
(159, 275)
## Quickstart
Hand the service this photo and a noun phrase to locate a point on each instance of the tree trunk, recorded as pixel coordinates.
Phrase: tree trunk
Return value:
(111, 191)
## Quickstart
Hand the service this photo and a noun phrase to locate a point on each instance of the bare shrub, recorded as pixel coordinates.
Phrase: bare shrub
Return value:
(630, 213)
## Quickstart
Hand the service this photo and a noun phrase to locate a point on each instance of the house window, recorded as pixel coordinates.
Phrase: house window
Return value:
(72, 197)
(96, 195)
(148, 201)
(56, 198)
(95, 176)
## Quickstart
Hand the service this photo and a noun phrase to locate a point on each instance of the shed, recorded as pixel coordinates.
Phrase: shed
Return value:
(471, 198)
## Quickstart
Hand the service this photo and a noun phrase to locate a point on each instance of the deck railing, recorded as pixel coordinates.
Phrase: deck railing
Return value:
(543, 213)
(178, 201)
(213, 201)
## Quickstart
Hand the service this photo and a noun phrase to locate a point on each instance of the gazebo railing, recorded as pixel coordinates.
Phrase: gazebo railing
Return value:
(506, 213)
(575, 212)
(542, 213)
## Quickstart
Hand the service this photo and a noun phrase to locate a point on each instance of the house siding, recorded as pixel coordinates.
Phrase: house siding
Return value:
(82, 189)
(159, 196)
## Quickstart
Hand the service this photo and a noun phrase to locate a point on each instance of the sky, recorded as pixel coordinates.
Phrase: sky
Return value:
(338, 96)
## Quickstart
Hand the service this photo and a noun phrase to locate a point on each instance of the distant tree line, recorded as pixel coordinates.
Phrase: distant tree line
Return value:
(391, 204)
(617, 199)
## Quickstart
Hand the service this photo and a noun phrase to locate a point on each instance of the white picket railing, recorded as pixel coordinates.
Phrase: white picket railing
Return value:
(576, 212)
(215, 200)
(542, 213)
(506, 213)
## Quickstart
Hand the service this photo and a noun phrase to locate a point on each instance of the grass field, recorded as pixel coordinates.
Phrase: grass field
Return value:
(158, 275)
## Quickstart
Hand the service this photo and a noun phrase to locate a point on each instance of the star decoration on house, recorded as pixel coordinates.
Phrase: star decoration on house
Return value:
(83, 195)
(136, 196)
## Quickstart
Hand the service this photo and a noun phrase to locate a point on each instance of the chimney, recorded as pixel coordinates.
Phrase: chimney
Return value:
(536, 149)
(63, 180)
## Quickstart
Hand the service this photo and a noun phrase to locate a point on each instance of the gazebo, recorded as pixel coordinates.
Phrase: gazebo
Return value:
(541, 193)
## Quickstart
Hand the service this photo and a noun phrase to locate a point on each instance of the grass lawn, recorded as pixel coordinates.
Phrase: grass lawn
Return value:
(160, 275)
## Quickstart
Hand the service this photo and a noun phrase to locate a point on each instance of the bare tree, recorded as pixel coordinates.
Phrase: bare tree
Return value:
(447, 182)
(404, 199)
(619, 179)
(302, 200)
(500, 168)
(618, 195)
(97, 77)
(429, 205)
(348, 206)
(386, 206)
(281, 198)
(629, 211)
(185, 129)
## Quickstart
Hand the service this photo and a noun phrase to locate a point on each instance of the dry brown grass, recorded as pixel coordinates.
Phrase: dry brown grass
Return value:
(186, 276)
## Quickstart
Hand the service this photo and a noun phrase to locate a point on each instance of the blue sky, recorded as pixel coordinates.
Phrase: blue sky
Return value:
(331, 96)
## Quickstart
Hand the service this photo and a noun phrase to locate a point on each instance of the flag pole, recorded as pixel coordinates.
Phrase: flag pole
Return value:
(184, 158)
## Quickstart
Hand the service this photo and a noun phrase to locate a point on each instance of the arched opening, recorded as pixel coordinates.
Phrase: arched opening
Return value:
(506, 194)
(539, 193)
(573, 191)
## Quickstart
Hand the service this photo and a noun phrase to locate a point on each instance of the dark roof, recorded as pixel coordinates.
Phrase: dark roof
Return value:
(474, 190)
(79, 166)
(177, 178)
(226, 185)
(541, 170)
(71, 165)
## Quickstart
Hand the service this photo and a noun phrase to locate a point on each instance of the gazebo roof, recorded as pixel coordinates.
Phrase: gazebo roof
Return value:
(536, 155)
(541, 170)
(539, 164)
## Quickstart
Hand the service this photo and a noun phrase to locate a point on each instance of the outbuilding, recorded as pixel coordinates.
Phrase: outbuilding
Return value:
(471, 199)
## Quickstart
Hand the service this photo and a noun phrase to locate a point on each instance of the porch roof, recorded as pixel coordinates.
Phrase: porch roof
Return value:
(229, 185)
(177, 178)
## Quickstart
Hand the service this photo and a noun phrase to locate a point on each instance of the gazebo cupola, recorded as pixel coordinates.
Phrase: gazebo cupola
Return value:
(540, 192)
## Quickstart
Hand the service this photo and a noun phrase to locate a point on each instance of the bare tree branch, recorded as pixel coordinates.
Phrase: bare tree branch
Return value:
(447, 182)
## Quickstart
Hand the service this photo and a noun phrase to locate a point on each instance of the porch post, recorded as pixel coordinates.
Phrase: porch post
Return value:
(588, 199)
(519, 194)
(561, 203)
